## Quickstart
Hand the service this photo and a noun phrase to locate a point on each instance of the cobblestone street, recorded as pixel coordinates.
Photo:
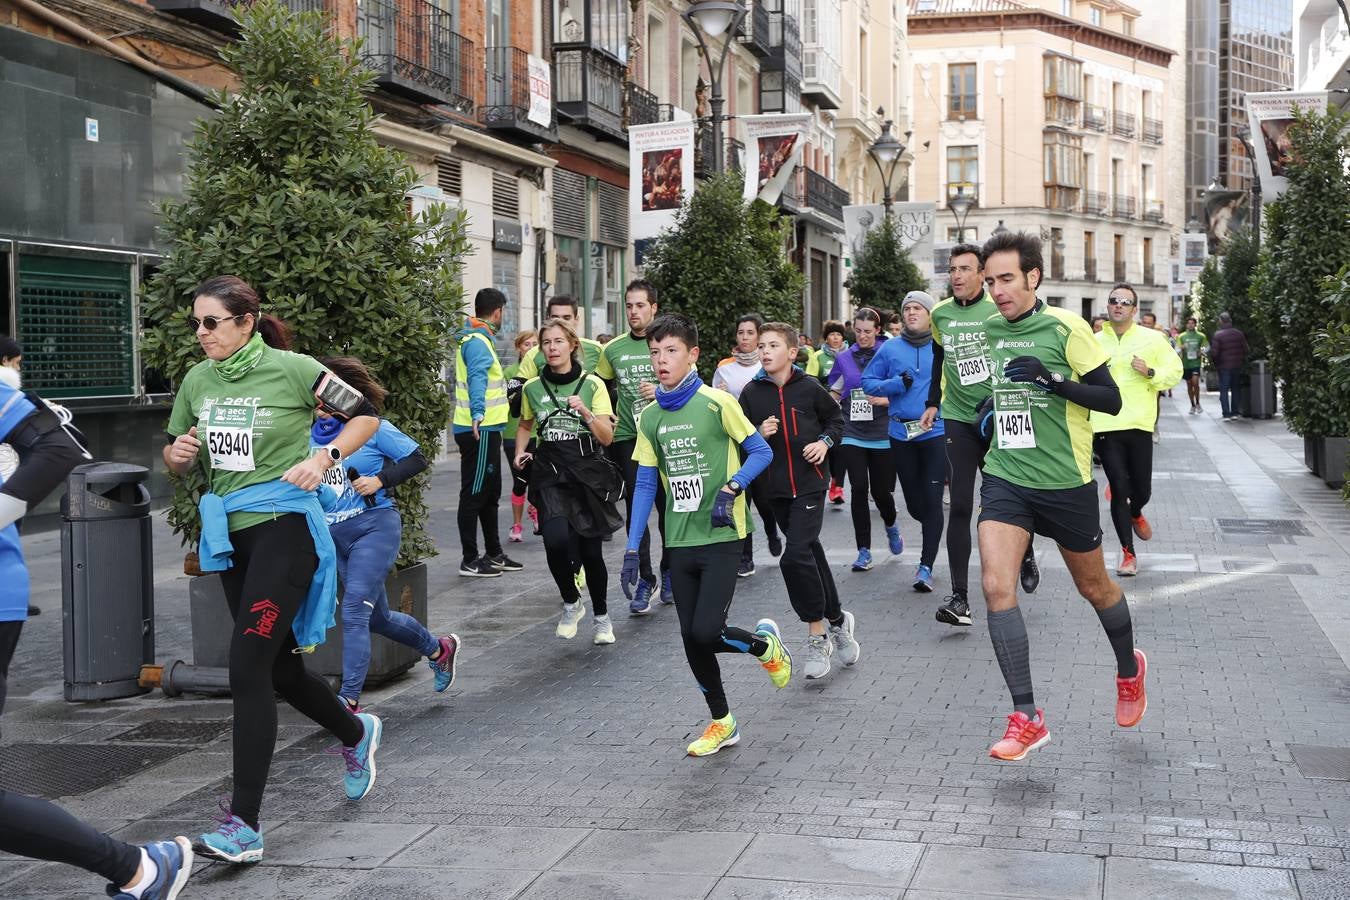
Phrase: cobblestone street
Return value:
(556, 769)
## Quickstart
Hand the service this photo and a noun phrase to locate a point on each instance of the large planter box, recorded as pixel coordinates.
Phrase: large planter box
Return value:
(1332, 458)
(1312, 446)
(211, 628)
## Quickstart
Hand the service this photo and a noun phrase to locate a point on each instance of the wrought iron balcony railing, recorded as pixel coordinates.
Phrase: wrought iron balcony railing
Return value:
(1096, 202)
(1122, 207)
(1153, 130)
(754, 30)
(642, 106)
(590, 91)
(413, 52)
(507, 100)
(1122, 123)
(1094, 118)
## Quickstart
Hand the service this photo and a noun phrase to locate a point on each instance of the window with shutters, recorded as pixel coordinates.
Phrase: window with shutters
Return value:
(450, 176)
(569, 203)
(505, 196)
(613, 219)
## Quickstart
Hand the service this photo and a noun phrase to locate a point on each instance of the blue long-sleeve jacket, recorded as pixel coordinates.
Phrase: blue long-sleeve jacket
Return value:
(883, 377)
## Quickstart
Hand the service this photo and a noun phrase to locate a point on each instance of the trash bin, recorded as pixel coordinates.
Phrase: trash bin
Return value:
(107, 581)
(1262, 391)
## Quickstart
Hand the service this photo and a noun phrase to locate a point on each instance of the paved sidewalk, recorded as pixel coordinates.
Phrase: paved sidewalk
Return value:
(555, 769)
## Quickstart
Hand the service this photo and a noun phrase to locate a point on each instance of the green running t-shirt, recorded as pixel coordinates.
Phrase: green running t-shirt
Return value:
(556, 421)
(252, 430)
(1189, 344)
(960, 332)
(628, 361)
(695, 448)
(1040, 439)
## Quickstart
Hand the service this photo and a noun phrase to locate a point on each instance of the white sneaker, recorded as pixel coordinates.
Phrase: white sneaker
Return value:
(844, 642)
(572, 615)
(817, 656)
(604, 630)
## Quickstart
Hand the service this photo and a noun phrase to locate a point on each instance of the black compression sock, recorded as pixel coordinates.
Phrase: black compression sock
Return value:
(1008, 632)
(1119, 630)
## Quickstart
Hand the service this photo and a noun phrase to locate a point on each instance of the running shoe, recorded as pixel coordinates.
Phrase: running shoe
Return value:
(572, 615)
(845, 644)
(747, 567)
(837, 494)
(515, 537)
(1157, 437)
(1131, 699)
(232, 841)
(777, 661)
(1142, 529)
(1108, 493)
(816, 656)
(641, 603)
(443, 666)
(1030, 576)
(720, 733)
(360, 760)
(667, 592)
(896, 541)
(956, 611)
(479, 568)
(1022, 736)
(534, 518)
(604, 630)
(504, 563)
(775, 544)
(579, 579)
(1129, 565)
(173, 861)
(923, 579)
(353, 706)
(864, 560)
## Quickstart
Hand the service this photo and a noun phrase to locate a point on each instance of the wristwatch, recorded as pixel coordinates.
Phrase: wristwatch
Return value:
(734, 487)
(334, 454)
(1057, 378)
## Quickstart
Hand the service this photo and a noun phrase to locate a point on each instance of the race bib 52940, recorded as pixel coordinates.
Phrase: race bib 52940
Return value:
(229, 438)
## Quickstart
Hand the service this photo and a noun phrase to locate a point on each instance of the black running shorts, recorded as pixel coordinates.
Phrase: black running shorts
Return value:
(1069, 517)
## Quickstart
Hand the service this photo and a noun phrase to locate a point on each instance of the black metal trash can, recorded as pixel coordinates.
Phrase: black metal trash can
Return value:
(107, 581)
(1261, 394)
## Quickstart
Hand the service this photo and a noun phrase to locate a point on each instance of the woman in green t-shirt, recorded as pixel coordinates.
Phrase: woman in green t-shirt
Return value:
(244, 413)
(572, 482)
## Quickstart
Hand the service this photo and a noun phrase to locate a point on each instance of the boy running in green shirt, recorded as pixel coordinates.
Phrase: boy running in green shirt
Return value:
(1192, 346)
(690, 436)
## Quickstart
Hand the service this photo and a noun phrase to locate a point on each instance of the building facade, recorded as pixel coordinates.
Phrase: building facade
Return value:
(1008, 90)
(1322, 49)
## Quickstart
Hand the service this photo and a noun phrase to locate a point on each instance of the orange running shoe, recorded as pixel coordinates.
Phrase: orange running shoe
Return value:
(1129, 565)
(1131, 698)
(1142, 529)
(1108, 493)
(836, 493)
(1023, 736)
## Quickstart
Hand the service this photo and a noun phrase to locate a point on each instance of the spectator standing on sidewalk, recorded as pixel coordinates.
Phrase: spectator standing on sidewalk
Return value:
(1228, 353)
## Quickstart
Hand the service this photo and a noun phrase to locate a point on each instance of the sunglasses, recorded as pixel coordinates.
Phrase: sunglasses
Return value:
(211, 322)
(1120, 302)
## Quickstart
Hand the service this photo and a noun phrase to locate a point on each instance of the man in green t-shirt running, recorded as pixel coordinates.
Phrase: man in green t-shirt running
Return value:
(626, 363)
(564, 309)
(1047, 372)
(1193, 347)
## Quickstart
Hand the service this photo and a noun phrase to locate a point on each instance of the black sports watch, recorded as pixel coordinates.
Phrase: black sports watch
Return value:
(734, 487)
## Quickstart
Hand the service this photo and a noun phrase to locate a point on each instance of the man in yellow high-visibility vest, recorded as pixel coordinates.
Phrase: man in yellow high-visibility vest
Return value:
(481, 411)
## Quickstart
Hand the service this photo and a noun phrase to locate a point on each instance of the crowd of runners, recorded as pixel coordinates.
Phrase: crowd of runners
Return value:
(301, 465)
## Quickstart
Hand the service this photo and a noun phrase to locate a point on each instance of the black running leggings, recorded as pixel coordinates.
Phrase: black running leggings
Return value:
(520, 478)
(274, 563)
(1127, 459)
(563, 547)
(874, 468)
(965, 454)
(704, 579)
(921, 467)
(40, 830)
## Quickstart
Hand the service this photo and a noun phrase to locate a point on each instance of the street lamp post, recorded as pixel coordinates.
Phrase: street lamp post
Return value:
(712, 18)
(886, 152)
(1245, 135)
(960, 206)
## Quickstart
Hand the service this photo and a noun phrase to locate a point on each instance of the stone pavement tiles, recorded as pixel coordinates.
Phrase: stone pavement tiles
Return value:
(557, 767)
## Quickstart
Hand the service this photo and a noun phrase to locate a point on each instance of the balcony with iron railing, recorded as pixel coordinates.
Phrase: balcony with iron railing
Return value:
(218, 15)
(413, 52)
(1096, 202)
(1122, 124)
(643, 108)
(589, 91)
(1090, 270)
(507, 102)
(785, 46)
(1153, 212)
(1119, 271)
(1094, 117)
(1153, 130)
(813, 190)
(753, 32)
(733, 153)
(822, 77)
(1122, 207)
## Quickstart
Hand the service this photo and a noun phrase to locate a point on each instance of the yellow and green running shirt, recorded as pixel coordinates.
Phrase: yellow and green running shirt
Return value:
(1041, 440)
(696, 450)
(556, 421)
(627, 361)
(1189, 344)
(534, 362)
(960, 332)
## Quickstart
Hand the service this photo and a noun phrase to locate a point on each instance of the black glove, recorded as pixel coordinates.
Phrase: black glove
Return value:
(907, 378)
(628, 575)
(1029, 370)
(984, 419)
(721, 511)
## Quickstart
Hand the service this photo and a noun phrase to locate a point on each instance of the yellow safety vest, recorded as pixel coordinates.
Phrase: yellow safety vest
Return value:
(496, 409)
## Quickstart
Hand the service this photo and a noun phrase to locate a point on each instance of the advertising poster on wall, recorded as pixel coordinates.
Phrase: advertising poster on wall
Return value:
(1270, 115)
(660, 174)
(1194, 251)
(914, 221)
(774, 146)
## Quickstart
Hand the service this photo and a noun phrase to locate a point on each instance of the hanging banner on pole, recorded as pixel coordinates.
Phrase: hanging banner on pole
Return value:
(913, 221)
(660, 175)
(541, 91)
(1194, 251)
(1270, 114)
(1177, 285)
(774, 143)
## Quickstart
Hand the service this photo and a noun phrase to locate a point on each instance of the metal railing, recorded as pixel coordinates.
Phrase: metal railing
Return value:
(590, 88)
(735, 155)
(754, 30)
(1120, 271)
(785, 45)
(1153, 212)
(1153, 130)
(1090, 270)
(1094, 117)
(1122, 123)
(1122, 207)
(506, 101)
(1095, 202)
(642, 106)
(824, 196)
(411, 48)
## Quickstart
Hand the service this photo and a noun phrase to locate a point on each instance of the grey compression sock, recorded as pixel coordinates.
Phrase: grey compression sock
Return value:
(1119, 630)
(1009, 635)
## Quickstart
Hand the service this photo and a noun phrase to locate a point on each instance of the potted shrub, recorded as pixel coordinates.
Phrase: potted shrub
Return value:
(289, 189)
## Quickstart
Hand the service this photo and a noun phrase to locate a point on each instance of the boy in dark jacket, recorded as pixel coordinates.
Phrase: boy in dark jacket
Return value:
(801, 422)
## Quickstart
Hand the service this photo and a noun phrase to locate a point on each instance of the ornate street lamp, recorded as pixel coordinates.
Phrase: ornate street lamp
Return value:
(713, 18)
(886, 152)
(1245, 135)
(960, 206)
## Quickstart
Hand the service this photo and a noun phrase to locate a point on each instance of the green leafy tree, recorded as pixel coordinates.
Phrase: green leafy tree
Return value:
(724, 258)
(1332, 346)
(883, 271)
(1307, 239)
(288, 189)
(1207, 296)
(1230, 291)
